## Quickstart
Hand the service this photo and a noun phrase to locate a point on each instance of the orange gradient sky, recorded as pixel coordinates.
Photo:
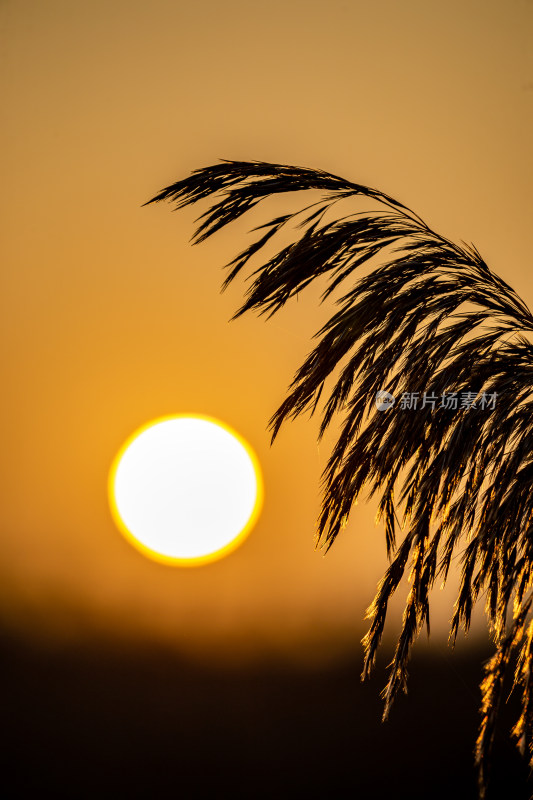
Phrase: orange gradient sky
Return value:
(110, 318)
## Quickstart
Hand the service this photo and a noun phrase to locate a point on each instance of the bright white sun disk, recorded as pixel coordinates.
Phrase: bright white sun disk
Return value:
(185, 489)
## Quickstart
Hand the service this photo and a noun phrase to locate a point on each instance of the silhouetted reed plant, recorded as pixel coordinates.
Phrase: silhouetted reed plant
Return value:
(426, 315)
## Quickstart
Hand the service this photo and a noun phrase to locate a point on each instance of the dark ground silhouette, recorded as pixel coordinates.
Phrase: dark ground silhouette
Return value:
(124, 722)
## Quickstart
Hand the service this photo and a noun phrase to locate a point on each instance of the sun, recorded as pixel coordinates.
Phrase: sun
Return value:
(185, 489)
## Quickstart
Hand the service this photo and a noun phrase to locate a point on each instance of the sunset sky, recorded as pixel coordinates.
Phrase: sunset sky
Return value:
(110, 318)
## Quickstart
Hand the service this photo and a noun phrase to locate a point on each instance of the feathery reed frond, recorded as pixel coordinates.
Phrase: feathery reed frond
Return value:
(444, 335)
